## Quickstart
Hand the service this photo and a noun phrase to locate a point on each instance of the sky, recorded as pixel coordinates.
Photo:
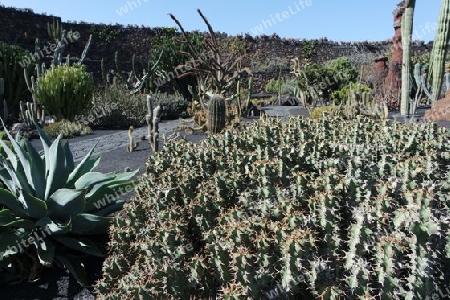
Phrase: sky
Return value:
(347, 20)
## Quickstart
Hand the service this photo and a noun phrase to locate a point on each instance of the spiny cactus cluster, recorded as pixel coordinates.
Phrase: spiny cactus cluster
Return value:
(306, 206)
(362, 102)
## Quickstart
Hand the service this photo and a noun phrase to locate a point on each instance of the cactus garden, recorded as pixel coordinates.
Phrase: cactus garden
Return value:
(207, 166)
(326, 208)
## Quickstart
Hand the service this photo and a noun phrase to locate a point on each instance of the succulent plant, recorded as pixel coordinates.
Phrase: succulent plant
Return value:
(53, 208)
(327, 208)
(132, 145)
(66, 129)
(438, 53)
(153, 117)
(13, 61)
(65, 91)
(216, 114)
(406, 34)
(5, 104)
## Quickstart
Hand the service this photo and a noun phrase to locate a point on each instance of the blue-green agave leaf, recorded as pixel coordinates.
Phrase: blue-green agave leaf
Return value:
(45, 250)
(88, 180)
(74, 265)
(107, 195)
(12, 241)
(35, 207)
(8, 219)
(37, 170)
(50, 227)
(13, 203)
(70, 164)
(81, 244)
(55, 168)
(66, 203)
(87, 224)
(86, 165)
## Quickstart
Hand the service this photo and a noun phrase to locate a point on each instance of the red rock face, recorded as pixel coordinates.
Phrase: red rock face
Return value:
(440, 110)
(393, 81)
(381, 71)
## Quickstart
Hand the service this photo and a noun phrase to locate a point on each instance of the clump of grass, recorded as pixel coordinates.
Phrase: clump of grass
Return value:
(67, 128)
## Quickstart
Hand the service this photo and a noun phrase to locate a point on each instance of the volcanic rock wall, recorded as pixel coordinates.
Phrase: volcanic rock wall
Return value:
(22, 27)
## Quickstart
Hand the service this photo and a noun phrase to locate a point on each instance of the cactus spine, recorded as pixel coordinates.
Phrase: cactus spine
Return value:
(216, 114)
(407, 27)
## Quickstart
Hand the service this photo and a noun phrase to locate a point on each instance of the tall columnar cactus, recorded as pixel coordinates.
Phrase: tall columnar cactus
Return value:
(32, 114)
(13, 60)
(447, 81)
(152, 118)
(132, 145)
(216, 114)
(361, 102)
(54, 30)
(155, 132)
(407, 28)
(5, 105)
(437, 58)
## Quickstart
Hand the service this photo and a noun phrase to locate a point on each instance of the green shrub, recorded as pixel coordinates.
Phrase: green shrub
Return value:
(173, 106)
(287, 86)
(322, 111)
(114, 107)
(13, 59)
(65, 91)
(51, 210)
(323, 80)
(343, 209)
(67, 129)
(273, 86)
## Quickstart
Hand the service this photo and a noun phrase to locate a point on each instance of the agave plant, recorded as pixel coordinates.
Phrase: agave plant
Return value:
(51, 210)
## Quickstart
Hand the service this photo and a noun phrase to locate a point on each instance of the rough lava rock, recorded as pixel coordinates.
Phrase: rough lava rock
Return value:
(379, 76)
(440, 110)
(393, 81)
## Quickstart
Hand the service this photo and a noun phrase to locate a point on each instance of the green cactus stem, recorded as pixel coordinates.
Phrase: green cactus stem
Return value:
(133, 145)
(5, 105)
(406, 27)
(437, 57)
(447, 81)
(149, 118)
(155, 132)
(54, 30)
(216, 114)
(152, 118)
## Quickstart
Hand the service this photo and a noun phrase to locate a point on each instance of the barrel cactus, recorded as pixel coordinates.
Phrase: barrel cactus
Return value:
(216, 114)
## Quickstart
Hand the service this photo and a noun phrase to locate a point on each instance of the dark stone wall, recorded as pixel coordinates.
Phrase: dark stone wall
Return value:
(22, 27)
